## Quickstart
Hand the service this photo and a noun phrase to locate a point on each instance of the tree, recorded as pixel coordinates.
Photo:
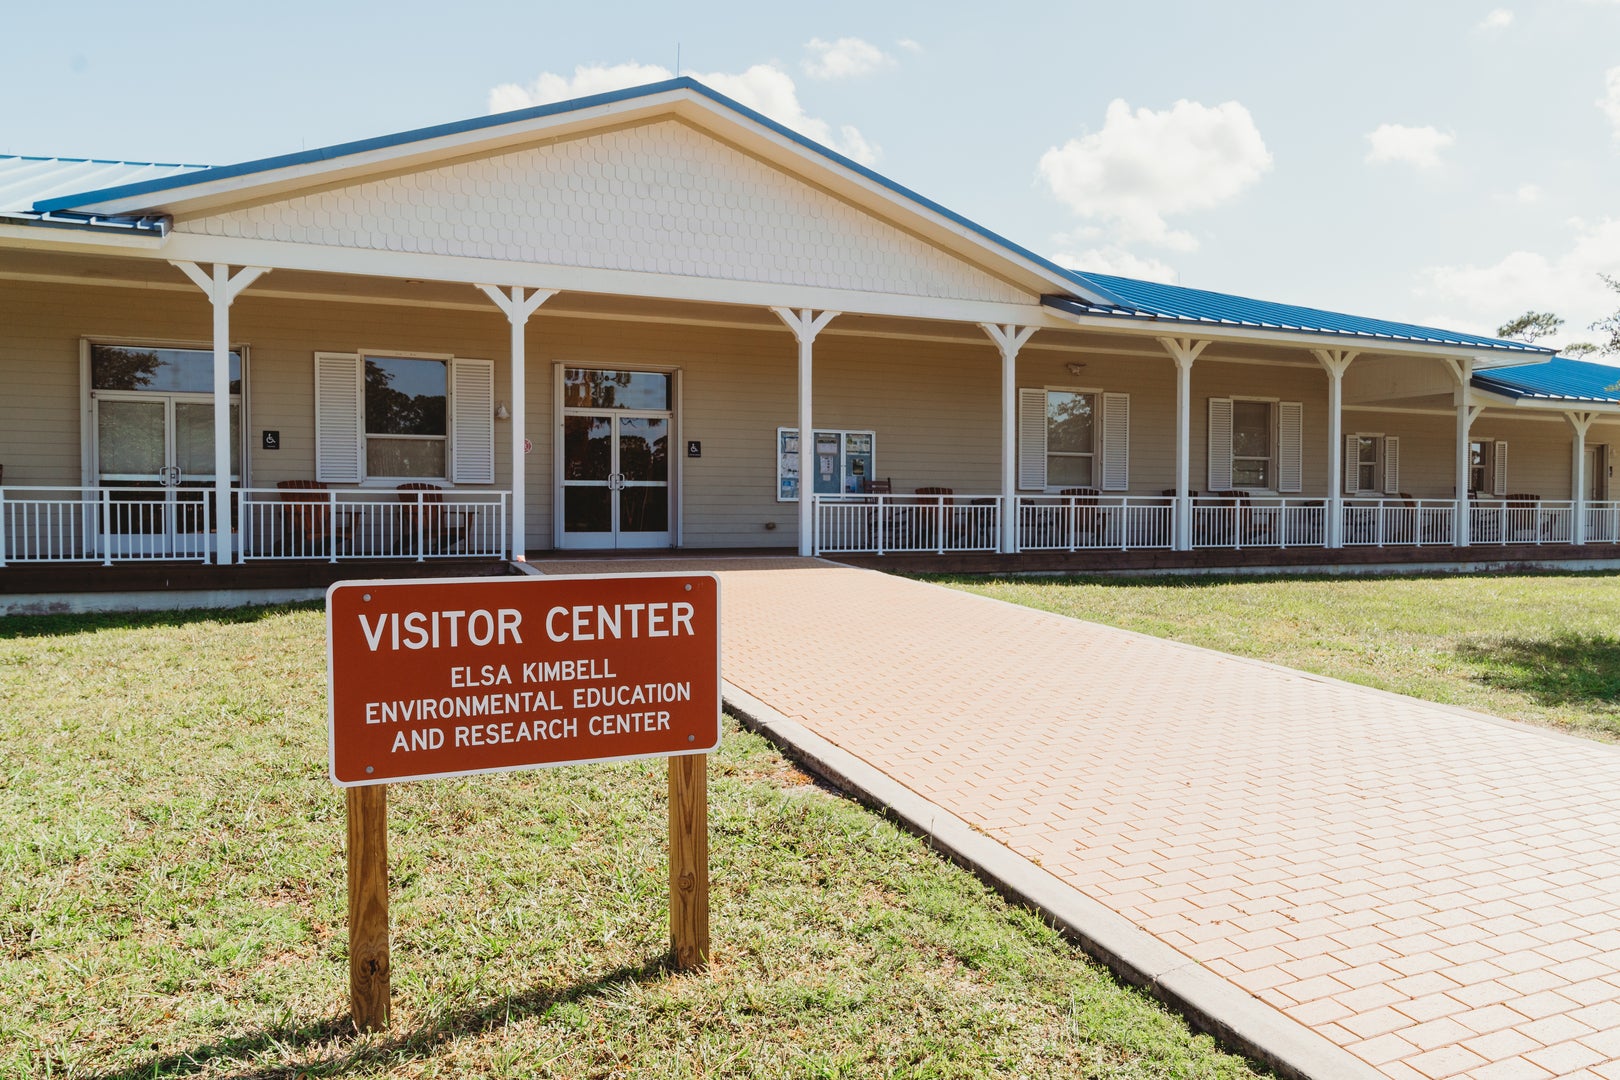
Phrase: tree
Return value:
(1610, 325)
(1530, 326)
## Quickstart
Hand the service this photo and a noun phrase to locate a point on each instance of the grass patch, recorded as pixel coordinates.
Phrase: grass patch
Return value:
(1541, 648)
(172, 901)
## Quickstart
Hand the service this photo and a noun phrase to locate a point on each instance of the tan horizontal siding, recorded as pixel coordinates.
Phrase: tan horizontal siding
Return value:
(935, 408)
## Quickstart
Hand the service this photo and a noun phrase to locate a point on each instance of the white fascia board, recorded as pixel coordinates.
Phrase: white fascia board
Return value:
(1483, 359)
(44, 238)
(1540, 404)
(199, 198)
(457, 268)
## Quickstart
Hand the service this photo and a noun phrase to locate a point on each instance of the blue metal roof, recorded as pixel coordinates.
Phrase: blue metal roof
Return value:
(1559, 379)
(1153, 300)
(26, 181)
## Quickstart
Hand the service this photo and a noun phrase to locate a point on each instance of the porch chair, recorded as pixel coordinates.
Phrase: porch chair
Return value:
(1524, 518)
(306, 518)
(442, 528)
(877, 487)
(1220, 529)
(1090, 522)
(1483, 521)
(915, 520)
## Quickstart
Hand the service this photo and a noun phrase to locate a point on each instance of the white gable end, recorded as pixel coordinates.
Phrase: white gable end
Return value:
(660, 198)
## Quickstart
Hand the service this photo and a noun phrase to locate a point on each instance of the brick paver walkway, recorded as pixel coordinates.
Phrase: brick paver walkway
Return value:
(1434, 891)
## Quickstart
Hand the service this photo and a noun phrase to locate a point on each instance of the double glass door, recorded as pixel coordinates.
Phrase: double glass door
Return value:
(617, 427)
(155, 455)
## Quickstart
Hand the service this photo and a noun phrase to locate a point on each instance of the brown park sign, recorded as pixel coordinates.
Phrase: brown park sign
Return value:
(453, 677)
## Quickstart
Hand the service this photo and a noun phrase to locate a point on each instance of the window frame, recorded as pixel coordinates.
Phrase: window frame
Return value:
(1376, 440)
(448, 438)
(1271, 462)
(1094, 454)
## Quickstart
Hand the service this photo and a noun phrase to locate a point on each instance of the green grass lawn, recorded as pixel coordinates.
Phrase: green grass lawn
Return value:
(1543, 648)
(172, 901)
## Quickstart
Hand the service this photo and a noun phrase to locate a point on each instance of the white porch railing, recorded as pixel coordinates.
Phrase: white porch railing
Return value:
(885, 524)
(104, 524)
(1392, 522)
(1093, 522)
(1603, 522)
(146, 524)
(335, 524)
(1511, 521)
(1220, 521)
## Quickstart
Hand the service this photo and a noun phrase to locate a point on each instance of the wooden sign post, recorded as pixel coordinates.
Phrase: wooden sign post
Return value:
(456, 677)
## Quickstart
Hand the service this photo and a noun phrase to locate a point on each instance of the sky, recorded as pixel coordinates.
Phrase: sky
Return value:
(1444, 162)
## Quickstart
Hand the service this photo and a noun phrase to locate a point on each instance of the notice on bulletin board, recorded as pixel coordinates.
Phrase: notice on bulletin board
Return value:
(787, 465)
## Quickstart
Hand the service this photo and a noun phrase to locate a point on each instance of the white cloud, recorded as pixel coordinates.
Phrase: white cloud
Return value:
(762, 87)
(1566, 284)
(586, 80)
(1499, 19)
(844, 58)
(1419, 146)
(1145, 165)
(1610, 101)
(909, 45)
(1528, 193)
(1113, 259)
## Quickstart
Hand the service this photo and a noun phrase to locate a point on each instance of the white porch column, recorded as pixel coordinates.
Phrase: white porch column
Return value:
(1581, 422)
(222, 289)
(1009, 339)
(1334, 362)
(517, 310)
(805, 324)
(1463, 371)
(1183, 351)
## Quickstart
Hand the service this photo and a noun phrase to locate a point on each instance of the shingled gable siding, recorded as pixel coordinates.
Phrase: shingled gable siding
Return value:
(657, 198)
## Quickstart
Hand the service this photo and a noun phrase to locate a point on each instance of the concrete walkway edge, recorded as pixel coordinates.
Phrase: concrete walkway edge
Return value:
(1238, 1020)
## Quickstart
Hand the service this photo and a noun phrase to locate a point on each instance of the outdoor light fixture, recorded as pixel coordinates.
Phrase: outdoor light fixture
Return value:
(502, 412)
(1075, 369)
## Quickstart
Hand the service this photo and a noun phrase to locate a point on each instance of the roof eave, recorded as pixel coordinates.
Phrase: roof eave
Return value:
(1155, 324)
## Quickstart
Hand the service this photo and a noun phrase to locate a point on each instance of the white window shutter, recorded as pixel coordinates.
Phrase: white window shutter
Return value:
(1499, 483)
(1032, 440)
(339, 418)
(1290, 446)
(1220, 444)
(1116, 448)
(1392, 465)
(472, 421)
(1352, 464)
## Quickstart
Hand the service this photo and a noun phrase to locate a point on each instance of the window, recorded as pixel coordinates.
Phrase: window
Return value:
(1366, 463)
(183, 371)
(1251, 444)
(1255, 445)
(407, 432)
(1487, 466)
(390, 418)
(1069, 438)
